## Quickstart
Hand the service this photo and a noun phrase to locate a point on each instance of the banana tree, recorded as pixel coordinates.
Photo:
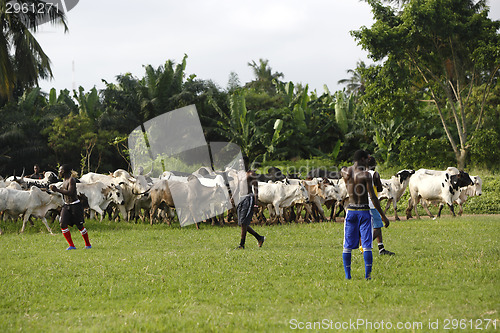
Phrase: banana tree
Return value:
(239, 125)
(312, 129)
(88, 103)
(387, 136)
(271, 148)
(344, 106)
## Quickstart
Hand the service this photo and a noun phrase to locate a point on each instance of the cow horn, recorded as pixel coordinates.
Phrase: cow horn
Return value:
(150, 172)
(22, 175)
(133, 192)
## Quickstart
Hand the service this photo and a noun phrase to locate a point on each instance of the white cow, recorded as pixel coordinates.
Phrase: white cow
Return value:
(3, 182)
(279, 196)
(14, 185)
(26, 182)
(34, 202)
(337, 196)
(205, 180)
(99, 196)
(394, 188)
(210, 180)
(435, 186)
(316, 189)
(133, 188)
(475, 189)
(471, 190)
(139, 186)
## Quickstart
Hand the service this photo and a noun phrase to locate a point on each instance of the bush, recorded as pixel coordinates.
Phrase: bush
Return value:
(421, 152)
(484, 149)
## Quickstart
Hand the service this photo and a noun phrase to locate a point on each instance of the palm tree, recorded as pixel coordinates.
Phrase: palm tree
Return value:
(22, 60)
(264, 77)
(356, 83)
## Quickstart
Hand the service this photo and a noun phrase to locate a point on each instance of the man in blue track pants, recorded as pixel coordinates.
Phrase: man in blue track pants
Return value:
(358, 221)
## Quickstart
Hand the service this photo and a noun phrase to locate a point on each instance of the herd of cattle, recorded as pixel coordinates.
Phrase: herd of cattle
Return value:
(288, 198)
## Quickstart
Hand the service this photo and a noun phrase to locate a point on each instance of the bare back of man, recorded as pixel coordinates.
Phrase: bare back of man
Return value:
(359, 184)
(357, 224)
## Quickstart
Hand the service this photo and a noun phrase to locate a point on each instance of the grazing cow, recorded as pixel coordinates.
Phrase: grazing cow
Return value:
(435, 186)
(279, 196)
(99, 196)
(34, 202)
(394, 188)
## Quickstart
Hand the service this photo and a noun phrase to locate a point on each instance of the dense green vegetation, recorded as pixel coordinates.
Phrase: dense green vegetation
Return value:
(415, 107)
(139, 277)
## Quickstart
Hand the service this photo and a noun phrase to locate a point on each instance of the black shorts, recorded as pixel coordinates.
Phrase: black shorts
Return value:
(72, 215)
(245, 210)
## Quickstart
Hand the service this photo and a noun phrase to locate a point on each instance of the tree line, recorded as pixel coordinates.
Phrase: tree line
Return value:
(430, 100)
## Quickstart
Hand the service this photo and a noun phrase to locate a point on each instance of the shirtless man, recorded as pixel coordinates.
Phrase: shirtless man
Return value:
(246, 206)
(358, 218)
(72, 211)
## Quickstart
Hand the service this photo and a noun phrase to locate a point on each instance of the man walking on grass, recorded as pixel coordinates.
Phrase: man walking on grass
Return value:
(72, 211)
(246, 206)
(358, 218)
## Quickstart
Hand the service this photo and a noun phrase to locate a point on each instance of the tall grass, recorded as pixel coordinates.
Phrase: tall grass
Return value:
(157, 278)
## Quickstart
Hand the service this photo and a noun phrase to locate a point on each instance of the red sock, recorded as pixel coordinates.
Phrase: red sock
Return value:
(67, 235)
(85, 236)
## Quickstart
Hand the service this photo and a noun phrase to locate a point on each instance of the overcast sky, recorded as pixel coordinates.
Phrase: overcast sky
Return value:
(307, 41)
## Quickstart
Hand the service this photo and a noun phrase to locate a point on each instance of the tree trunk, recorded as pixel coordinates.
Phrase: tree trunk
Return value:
(461, 156)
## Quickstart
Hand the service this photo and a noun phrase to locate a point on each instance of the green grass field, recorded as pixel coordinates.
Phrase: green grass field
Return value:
(142, 278)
